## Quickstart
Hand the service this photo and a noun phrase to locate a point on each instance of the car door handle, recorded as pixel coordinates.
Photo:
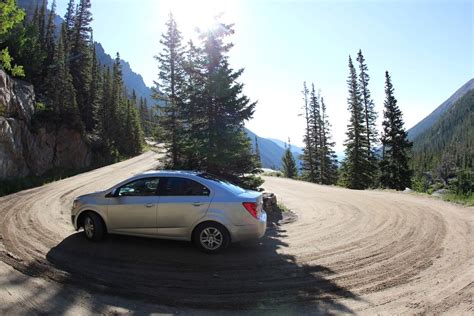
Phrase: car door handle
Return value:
(149, 205)
(197, 203)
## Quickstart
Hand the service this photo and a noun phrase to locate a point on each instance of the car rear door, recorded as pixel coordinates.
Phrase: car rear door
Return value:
(182, 202)
(133, 210)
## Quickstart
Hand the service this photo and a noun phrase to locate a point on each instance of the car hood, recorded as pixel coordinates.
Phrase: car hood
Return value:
(93, 194)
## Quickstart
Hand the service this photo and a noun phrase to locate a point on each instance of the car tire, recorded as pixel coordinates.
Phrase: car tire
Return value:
(211, 237)
(94, 228)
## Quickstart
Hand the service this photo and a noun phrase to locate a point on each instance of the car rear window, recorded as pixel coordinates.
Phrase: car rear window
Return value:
(226, 184)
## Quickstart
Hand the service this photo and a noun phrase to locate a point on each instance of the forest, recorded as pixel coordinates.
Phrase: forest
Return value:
(200, 109)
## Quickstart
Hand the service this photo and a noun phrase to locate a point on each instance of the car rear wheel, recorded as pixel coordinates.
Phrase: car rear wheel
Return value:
(211, 237)
(94, 228)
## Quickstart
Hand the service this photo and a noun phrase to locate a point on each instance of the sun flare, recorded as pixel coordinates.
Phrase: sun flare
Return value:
(192, 15)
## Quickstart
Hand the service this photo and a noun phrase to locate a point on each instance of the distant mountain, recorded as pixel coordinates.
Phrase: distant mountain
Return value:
(132, 80)
(450, 140)
(294, 149)
(431, 119)
(271, 151)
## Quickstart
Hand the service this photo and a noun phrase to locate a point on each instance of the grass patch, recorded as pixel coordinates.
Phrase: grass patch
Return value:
(282, 207)
(467, 200)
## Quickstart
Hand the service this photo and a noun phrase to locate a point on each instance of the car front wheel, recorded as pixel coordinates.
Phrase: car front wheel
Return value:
(211, 237)
(94, 228)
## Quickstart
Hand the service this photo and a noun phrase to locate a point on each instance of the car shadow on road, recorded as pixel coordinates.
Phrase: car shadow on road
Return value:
(253, 277)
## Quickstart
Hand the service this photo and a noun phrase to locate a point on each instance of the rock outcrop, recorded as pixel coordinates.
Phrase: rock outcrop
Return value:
(24, 151)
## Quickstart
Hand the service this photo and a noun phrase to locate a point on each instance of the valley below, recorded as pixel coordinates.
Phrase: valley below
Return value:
(348, 252)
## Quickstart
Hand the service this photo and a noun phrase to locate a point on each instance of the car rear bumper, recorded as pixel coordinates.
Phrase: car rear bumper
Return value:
(253, 231)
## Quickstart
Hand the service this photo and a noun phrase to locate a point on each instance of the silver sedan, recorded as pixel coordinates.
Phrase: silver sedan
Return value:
(180, 205)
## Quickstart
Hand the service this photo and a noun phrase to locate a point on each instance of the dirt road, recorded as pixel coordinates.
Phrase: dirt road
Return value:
(348, 252)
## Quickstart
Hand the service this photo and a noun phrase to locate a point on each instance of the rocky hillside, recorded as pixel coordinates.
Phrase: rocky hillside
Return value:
(27, 150)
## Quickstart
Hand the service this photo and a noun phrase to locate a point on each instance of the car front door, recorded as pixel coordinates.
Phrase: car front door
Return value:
(133, 209)
(182, 202)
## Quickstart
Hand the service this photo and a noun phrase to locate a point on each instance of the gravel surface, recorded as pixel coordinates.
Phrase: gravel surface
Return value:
(345, 251)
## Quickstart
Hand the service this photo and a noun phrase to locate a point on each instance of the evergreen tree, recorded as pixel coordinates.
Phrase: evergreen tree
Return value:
(95, 88)
(49, 41)
(258, 160)
(170, 91)
(69, 22)
(356, 164)
(145, 117)
(118, 106)
(288, 163)
(81, 60)
(105, 113)
(41, 24)
(328, 156)
(370, 116)
(395, 173)
(60, 89)
(218, 109)
(308, 167)
(316, 139)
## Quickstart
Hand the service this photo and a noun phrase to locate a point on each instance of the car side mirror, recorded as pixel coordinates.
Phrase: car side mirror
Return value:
(111, 194)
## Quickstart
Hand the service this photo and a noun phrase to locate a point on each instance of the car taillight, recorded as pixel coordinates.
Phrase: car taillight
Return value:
(251, 207)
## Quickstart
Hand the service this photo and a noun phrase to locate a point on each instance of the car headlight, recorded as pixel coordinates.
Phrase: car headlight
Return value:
(75, 203)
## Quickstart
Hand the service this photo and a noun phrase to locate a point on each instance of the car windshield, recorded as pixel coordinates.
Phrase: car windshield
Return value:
(228, 185)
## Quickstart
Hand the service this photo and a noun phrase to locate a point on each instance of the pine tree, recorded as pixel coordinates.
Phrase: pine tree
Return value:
(105, 114)
(95, 88)
(356, 164)
(395, 173)
(60, 89)
(69, 22)
(258, 159)
(370, 116)
(49, 41)
(308, 167)
(315, 134)
(170, 91)
(81, 60)
(118, 106)
(328, 159)
(145, 117)
(41, 24)
(217, 109)
(288, 163)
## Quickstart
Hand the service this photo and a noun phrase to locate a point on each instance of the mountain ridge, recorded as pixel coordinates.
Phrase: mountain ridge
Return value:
(434, 116)
(271, 152)
(132, 80)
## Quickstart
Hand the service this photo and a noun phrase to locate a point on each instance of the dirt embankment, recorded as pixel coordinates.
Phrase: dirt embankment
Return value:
(348, 252)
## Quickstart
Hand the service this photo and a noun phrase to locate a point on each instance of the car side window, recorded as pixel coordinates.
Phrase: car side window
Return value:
(140, 187)
(183, 187)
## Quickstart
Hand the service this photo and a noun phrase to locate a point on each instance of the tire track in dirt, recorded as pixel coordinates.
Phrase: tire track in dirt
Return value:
(349, 251)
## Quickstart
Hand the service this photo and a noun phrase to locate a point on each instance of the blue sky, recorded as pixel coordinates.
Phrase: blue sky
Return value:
(427, 46)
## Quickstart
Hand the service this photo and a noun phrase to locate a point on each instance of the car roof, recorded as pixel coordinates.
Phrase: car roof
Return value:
(168, 173)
